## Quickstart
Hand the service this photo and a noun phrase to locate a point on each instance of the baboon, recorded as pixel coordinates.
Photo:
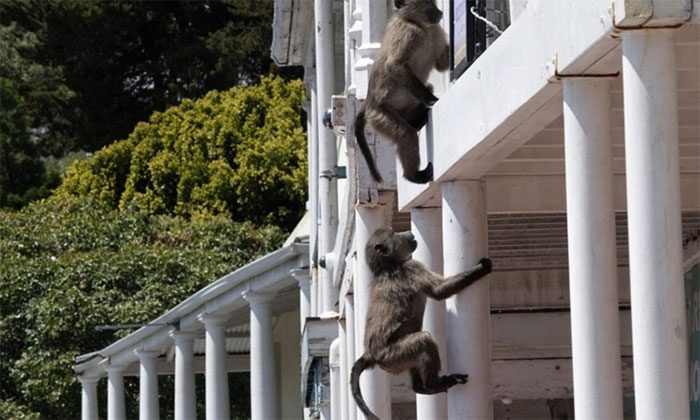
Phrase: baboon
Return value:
(393, 337)
(398, 99)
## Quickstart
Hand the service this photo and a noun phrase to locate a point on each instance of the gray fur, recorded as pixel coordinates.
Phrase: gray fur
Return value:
(393, 337)
(398, 98)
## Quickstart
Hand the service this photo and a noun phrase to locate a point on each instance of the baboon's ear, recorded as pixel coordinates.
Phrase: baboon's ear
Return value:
(381, 250)
(399, 3)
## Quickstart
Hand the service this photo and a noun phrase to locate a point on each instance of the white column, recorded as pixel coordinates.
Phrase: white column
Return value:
(659, 334)
(304, 279)
(468, 322)
(334, 364)
(427, 229)
(116, 406)
(89, 397)
(263, 381)
(375, 383)
(350, 349)
(327, 149)
(590, 201)
(185, 397)
(148, 385)
(215, 373)
(343, 374)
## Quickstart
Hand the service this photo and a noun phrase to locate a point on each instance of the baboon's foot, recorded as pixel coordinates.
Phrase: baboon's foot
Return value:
(448, 381)
(420, 120)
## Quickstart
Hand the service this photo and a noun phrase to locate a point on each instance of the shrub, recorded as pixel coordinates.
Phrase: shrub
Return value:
(239, 153)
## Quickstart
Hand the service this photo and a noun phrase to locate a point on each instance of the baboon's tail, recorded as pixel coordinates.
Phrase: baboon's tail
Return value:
(360, 122)
(364, 362)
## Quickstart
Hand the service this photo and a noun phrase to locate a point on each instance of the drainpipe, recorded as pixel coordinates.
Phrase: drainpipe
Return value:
(312, 122)
(327, 149)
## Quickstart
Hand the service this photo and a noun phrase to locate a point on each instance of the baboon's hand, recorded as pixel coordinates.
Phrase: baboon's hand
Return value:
(486, 263)
(431, 100)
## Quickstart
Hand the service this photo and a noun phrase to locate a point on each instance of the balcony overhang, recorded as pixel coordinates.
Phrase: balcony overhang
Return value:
(517, 86)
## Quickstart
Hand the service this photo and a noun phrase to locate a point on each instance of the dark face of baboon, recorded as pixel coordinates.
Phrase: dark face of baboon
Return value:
(423, 10)
(387, 249)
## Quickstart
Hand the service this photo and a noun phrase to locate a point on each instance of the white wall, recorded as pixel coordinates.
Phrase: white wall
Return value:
(288, 353)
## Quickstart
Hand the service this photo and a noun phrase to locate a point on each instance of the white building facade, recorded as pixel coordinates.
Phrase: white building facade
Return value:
(567, 149)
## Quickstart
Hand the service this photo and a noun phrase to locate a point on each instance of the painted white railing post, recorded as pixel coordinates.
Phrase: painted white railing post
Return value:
(659, 335)
(468, 322)
(375, 383)
(148, 385)
(89, 397)
(116, 405)
(427, 228)
(374, 16)
(590, 201)
(215, 374)
(263, 380)
(185, 397)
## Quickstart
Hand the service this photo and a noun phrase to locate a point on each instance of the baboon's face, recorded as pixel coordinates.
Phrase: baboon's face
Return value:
(424, 11)
(387, 249)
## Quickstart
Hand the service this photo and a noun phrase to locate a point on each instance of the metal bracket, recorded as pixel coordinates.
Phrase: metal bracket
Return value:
(557, 76)
(338, 106)
(339, 172)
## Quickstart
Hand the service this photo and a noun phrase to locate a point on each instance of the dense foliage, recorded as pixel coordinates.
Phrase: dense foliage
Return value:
(239, 153)
(23, 175)
(69, 265)
(84, 72)
(89, 69)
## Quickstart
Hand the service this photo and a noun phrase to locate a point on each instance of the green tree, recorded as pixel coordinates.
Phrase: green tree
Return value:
(23, 176)
(239, 153)
(89, 70)
(70, 264)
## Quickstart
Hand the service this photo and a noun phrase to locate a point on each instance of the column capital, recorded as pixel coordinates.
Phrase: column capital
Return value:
(144, 354)
(88, 380)
(179, 336)
(110, 368)
(258, 298)
(213, 319)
